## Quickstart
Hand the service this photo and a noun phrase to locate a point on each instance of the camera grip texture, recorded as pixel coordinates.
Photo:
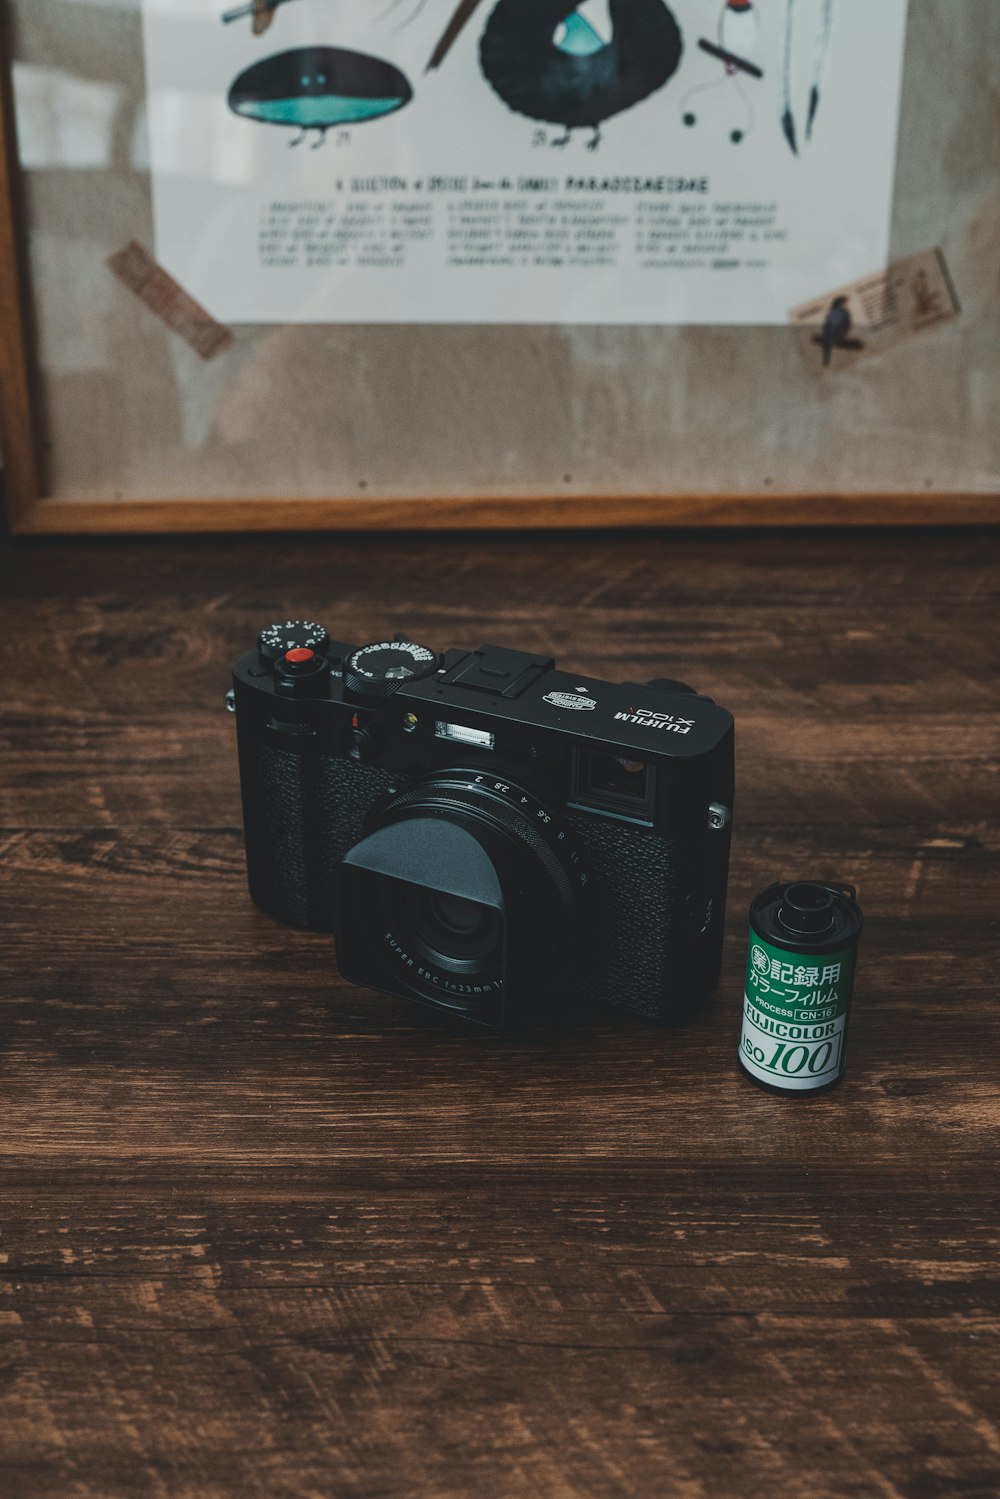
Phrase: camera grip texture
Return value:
(639, 952)
(301, 813)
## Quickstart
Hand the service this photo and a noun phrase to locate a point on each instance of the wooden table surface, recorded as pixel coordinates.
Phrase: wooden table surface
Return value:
(266, 1234)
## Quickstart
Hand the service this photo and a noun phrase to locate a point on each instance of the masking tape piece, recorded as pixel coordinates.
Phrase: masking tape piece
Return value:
(136, 269)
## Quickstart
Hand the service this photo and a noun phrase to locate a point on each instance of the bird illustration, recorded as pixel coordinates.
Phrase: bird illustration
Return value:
(735, 49)
(738, 30)
(836, 327)
(316, 88)
(547, 61)
(261, 13)
(459, 20)
(819, 64)
(836, 330)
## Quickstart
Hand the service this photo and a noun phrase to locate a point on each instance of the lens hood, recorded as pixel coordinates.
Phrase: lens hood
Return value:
(464, 893)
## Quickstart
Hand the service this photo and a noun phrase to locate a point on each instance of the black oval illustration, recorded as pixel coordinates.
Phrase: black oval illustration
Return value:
(317, 88)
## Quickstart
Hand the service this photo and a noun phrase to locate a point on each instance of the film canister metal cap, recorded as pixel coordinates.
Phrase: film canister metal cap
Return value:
(799, 981)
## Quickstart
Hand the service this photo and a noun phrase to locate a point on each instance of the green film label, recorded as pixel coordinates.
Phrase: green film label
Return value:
(795, 1014)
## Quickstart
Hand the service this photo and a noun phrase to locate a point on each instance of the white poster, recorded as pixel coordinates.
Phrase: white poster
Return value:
(521, 161)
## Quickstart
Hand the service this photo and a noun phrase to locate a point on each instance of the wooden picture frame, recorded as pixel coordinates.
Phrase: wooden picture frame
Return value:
(35, 505)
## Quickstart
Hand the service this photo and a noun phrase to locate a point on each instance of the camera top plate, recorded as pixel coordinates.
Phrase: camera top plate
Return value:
(496, 686)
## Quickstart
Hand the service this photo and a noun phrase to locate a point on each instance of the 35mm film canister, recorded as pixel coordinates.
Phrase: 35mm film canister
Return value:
(800, 977)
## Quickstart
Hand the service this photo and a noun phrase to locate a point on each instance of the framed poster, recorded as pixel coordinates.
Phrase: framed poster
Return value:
(297, 263)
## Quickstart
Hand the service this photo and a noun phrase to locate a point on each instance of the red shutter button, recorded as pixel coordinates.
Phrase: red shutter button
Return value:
(300, 669)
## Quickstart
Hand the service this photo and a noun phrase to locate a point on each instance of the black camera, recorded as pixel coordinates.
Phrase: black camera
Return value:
(485, 833)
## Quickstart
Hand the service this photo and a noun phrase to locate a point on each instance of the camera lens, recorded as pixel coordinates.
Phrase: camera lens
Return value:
(502, 937)
(451, 931)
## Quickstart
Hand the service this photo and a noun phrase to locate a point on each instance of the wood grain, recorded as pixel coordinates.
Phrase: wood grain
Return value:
(87, 517)
(267, 1234)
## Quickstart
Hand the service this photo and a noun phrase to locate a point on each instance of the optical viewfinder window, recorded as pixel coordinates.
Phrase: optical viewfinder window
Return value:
(617, 785)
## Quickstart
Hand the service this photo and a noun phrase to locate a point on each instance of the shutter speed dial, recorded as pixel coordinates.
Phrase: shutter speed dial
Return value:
(294, 634)
(376, 671)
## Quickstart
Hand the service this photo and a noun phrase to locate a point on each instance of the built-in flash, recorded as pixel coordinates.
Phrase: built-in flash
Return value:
(462, 734)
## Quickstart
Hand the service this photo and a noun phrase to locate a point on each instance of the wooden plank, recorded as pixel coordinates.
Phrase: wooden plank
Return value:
(268, 1234)
(80, 517)
(806, 638)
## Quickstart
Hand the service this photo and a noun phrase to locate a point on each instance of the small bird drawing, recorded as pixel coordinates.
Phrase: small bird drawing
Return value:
(263, 15)
(836, 332)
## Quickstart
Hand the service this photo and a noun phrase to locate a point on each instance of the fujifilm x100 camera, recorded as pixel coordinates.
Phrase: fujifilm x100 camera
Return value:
(482, 832)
